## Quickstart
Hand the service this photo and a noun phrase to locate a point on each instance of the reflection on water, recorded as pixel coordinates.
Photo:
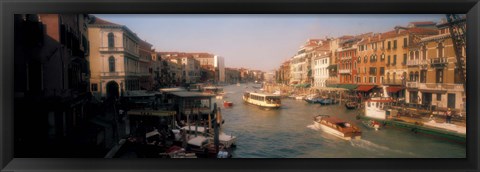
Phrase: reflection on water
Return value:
(289, 132)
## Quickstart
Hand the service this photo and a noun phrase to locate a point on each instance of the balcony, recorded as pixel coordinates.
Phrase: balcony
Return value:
(412, 84)
(117, 49)
(416, 62)
(112, 74)
(345, 71)
(441, 86)
(392, 82)
(439, 62)
(346, 58)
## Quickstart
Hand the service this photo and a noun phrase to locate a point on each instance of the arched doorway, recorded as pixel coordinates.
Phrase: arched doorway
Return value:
(112, 90)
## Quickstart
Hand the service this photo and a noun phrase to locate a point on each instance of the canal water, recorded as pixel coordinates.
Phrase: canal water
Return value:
(289, 132)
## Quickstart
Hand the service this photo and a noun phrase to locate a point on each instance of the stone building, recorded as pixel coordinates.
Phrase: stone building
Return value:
(115, 59)
(52, 85)
(432, 78)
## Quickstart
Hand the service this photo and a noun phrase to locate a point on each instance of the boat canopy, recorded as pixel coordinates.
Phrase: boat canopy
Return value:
(187, 94)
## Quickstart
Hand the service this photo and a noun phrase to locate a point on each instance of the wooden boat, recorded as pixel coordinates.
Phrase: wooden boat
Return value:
(372, 124)
(351, 105)
(262, 99)
(327, 101)
(337, 127)
(227, 104)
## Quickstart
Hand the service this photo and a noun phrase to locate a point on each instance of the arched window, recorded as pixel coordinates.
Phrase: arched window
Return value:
(388, 76)
(411, 76)
(440, 50)
(417, 55)
(111, 64)
(411, 55)
(394, 73)
(417, 76)
(111, 40)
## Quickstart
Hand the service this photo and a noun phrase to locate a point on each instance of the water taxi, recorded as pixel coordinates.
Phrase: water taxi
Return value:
(262, 99)
(337, 127)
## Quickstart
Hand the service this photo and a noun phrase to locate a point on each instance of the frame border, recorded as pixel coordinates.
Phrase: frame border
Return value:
(9, 7)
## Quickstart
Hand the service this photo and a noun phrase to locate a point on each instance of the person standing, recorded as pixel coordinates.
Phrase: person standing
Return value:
(448, 116)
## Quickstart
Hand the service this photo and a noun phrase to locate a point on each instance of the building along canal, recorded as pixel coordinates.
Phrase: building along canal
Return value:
(289, 132)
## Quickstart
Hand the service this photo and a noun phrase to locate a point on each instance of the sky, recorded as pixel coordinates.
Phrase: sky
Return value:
(256, 41)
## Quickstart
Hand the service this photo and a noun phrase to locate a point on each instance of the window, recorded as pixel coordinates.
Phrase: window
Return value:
(373, 71)
(424, 53)
(394, 59)
(439, 97)
(382, 70)
(404, 59)
(411, 55)
(382, 57)
(388, 61)
(440, 50)
(111, 40)
(405, 43)
(365, 59)
(388, 46)
(111, 64)
(439, 75)
(395, 44)
(94, 87)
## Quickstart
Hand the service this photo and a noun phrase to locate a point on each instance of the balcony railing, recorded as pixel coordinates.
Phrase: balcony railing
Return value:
(416, 62)
(392, 82)
(441, 86)
(412, 84)
(112, 74)
(346, 58)
(441, 61)
(343, 71)
(117, 49)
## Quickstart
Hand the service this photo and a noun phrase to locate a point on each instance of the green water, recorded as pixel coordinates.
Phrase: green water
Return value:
(288, 132)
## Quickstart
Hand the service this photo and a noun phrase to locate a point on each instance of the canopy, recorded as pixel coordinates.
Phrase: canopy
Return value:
(347, 86)
(365, 88)
(394, 89)
(303, 85)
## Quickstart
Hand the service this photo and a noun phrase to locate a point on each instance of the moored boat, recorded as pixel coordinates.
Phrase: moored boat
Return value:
(337, 127)
(227, 104)
(351, 105)
(262, 99)
(326, 101)
(372, 124)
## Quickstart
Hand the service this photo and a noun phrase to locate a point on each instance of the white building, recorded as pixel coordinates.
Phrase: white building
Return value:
(219, 64)
(320, 69)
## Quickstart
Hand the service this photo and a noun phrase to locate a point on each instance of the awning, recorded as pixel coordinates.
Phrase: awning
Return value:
(394, 89)
(347, 86)
(365, 88)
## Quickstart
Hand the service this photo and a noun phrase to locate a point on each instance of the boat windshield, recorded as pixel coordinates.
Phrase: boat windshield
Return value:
(273, 100)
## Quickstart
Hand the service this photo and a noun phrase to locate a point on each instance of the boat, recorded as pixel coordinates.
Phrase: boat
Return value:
(312, 99)
(262, 99)
(277, 92)
(225, 139)
(351, 105)
(376, 107)
(337, 127)
(326, 101)
(218, 91)
(372, 124)
(227, 104)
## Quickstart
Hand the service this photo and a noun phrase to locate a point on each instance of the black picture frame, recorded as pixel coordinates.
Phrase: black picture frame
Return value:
(9, 7)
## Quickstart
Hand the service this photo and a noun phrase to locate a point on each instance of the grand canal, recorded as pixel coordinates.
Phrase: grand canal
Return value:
(288, 132)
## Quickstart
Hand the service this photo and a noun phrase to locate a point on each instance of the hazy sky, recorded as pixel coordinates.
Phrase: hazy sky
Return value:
(253, 41)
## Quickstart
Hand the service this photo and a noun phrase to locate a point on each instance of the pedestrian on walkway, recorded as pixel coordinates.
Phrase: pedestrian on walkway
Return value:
(448, 116)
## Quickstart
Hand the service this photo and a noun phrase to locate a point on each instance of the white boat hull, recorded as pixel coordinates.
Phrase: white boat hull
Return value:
(334, 132)
(260, 103)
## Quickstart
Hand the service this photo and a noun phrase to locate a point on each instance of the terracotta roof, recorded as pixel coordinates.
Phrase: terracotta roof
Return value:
(422, 31)
(100, 21)
(423, 23)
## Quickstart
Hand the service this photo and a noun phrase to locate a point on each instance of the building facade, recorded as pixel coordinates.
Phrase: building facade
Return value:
(115, 59)
(433, 79)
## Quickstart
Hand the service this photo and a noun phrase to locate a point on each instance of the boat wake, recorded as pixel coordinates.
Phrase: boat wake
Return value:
(313, 127)
(365, 144)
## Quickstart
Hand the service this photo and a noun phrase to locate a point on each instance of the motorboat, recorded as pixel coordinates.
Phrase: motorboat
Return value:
(337, 127)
